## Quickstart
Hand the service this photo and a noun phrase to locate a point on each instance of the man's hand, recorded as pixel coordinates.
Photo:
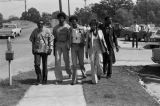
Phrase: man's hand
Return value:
(86, 54)
(117, 49)
(49, 52)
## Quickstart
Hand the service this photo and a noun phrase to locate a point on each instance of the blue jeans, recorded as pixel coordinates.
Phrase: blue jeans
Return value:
(61, 48)
(77, 52)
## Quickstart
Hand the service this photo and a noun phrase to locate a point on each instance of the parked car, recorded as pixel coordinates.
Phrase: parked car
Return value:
(11, 30)
(156, 55)
(156, 35)
(126, 32)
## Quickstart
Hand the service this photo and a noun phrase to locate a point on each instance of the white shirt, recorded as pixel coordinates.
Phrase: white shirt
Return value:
(135, 28)
(76, 36)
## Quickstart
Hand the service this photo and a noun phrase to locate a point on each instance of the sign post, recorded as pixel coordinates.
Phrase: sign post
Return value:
(9, 56)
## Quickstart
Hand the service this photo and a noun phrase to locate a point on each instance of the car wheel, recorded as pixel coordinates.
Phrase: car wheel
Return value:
(14, 36)
(19, 34)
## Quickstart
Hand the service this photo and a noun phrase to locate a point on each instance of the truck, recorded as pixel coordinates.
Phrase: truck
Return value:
(10, 30)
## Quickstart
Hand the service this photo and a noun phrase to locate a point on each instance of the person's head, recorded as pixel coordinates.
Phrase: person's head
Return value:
(61, 17)
(135, 22)
(93, 24)
(73, 20)
(108, 20)
(40, 24)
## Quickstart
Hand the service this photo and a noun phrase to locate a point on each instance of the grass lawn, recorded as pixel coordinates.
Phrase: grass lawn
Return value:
(122, 89)
(10, 95)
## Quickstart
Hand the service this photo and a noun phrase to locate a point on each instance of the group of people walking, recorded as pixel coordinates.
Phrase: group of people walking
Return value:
(98, 43)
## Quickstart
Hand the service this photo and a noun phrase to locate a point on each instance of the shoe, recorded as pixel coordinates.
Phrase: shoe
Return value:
(108, 76)
(58, 82)
(39, 79)
(84, 76)
(99, 77)
(44, 82)
(84, 73)
(104, 72)
(73, 83)
(69, 76)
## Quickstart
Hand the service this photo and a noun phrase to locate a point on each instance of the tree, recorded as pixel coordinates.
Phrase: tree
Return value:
(54, 14)
(109, 7)
(24, 16)
(84, 15)
(147, 10)
(12, 17)
(1, 17)
(124, 17)
(46, 18)
(32, 15)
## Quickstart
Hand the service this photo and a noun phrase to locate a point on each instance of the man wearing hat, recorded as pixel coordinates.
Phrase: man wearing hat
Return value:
(62, 46)
(41, 38)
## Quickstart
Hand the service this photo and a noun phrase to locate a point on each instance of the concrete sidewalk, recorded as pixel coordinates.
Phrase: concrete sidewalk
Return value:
(54, 95)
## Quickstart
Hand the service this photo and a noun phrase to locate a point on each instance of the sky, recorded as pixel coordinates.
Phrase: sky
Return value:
(16, 8)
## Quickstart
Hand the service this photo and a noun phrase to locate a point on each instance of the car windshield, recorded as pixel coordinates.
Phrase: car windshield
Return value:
(9, 26)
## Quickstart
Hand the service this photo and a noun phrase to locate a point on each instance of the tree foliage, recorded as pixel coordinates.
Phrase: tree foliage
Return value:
(46, 17)
(110, 7)
(148, 10)
(1, 17)
(84, 15)
(32, 15)
(12, 18)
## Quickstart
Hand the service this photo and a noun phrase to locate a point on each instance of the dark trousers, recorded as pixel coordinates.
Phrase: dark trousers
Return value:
(37, 63)
(135, 38)
(108, 60)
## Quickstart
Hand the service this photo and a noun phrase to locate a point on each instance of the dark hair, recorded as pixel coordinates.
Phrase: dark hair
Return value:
(40, 21)
(107, 17)
(93, 21)
(135, 22)
(61, 14)
(73, 18)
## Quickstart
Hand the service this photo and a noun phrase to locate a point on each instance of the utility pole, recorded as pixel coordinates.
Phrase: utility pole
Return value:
(25, 3)
(85, 3)
(60, 5)
(68, 8)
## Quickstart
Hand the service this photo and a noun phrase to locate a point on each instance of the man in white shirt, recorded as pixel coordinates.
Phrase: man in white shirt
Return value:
(135, 28)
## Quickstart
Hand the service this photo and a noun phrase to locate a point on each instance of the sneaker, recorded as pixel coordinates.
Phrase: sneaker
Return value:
(70, 76)
(58, 82)
(108, 76)
(99, 77)
(73, 83)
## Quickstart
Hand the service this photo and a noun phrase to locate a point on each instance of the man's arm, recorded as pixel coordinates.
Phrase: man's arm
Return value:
(69, 38)
(32, 36)
(115, 39)
(55, 40)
